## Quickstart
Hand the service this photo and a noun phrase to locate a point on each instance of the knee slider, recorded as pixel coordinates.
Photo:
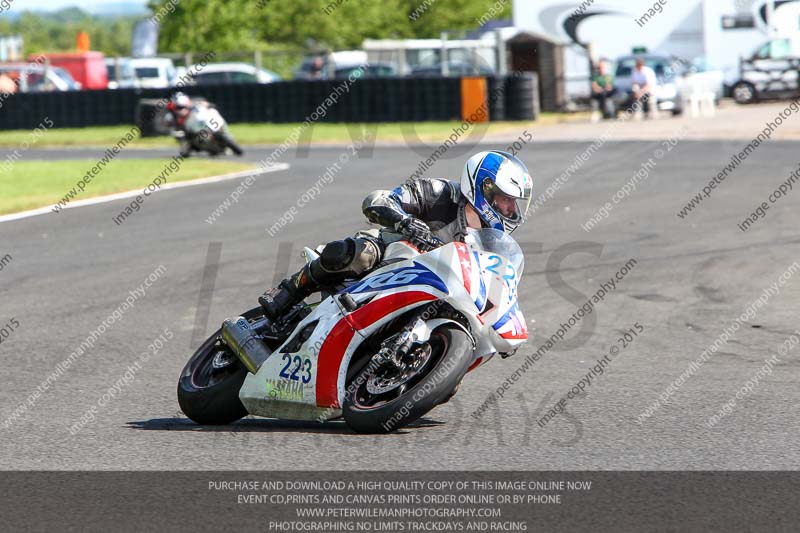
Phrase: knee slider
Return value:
(338, 255)
(367, 255)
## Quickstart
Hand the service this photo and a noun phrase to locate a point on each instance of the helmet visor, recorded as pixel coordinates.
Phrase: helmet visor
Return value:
(509, 208)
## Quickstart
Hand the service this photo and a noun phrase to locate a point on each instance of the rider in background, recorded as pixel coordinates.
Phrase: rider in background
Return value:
(199, 121)
(180, 106)
(494, 192)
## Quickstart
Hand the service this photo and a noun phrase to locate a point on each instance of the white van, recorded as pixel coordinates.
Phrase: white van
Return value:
(770, 72)
(154, 72)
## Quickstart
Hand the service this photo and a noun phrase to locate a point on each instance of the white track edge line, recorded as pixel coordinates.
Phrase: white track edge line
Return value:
(129, 194)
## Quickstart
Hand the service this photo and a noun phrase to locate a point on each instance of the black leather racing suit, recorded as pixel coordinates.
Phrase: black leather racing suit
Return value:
(437, 203)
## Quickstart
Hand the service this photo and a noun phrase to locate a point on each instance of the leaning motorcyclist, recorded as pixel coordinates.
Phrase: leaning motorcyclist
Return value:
(494, 192)
(180, 106)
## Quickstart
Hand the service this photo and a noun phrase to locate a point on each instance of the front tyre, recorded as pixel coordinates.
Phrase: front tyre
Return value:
(185, 149)
(368, 409)
(208, 389)
(227, 140)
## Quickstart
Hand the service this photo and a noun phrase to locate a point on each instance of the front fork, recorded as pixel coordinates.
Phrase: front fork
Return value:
(419, 331)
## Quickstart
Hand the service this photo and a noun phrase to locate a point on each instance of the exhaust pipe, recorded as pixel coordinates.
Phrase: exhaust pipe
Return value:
(245, 343)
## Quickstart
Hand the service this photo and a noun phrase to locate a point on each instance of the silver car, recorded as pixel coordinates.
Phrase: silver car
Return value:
(229, 73)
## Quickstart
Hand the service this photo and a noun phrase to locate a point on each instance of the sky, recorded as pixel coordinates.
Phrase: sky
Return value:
(88, 5)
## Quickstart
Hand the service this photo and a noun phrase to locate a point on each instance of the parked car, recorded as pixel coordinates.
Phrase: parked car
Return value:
(770, 72)
(701, 76)
(227, 73)
(87, 68)
(373, 70)
(454, 68)
(121, 74)
(323, 66)
(669, 71)
(37, 78)
(154, 72)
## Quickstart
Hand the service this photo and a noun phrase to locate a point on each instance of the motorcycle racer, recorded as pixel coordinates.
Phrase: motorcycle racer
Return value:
(199, 126)
(180, 106)
(494, 192)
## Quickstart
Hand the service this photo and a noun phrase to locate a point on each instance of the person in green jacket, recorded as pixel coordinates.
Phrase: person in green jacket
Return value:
(603, 89)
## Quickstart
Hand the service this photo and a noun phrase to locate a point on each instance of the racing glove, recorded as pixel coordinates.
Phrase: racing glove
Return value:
(418, 233)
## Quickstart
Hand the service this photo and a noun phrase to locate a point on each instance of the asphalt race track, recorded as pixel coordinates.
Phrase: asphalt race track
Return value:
(691, 280)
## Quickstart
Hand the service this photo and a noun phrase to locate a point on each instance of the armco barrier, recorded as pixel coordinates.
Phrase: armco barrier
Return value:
(368, 100)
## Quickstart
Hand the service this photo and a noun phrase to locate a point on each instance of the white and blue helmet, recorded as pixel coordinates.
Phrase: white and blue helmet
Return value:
(499, 187)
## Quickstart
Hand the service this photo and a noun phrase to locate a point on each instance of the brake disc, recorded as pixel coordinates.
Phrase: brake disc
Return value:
(417, 359)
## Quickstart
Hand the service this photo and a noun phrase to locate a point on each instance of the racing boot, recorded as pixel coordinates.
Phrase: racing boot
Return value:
(339, 260)
(290, 292)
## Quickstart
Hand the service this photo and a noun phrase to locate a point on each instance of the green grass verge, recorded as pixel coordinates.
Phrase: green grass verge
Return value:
(31, 184)
(434, 132)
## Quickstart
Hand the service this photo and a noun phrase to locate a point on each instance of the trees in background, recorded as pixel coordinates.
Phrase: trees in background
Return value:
(226, 26)
(287, 29)
(245, 26)
(57, 31)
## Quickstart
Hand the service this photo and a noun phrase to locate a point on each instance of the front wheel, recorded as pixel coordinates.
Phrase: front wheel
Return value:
(380, 401)
(185, 149)
(225, 139)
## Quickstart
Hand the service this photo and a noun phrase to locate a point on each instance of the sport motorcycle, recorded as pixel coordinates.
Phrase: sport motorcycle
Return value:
(380, 351)
(204, 130)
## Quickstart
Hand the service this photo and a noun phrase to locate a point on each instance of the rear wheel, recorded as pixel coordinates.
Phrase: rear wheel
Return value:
(208, 389)
(382, 398)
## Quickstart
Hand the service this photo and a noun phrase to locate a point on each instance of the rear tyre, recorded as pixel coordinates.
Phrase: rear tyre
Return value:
(367, 412)
(208, 389)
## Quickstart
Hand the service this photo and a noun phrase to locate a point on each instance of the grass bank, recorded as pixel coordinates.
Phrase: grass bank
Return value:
(32, 184)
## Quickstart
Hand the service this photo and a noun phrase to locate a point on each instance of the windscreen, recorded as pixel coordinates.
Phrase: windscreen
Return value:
(498, 242)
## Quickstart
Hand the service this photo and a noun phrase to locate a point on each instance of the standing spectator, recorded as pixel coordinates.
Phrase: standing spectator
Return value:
(644, 84)
(317, 67)
(603, 90)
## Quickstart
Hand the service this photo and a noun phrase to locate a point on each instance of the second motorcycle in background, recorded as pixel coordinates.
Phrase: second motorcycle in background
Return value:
(198, 126)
